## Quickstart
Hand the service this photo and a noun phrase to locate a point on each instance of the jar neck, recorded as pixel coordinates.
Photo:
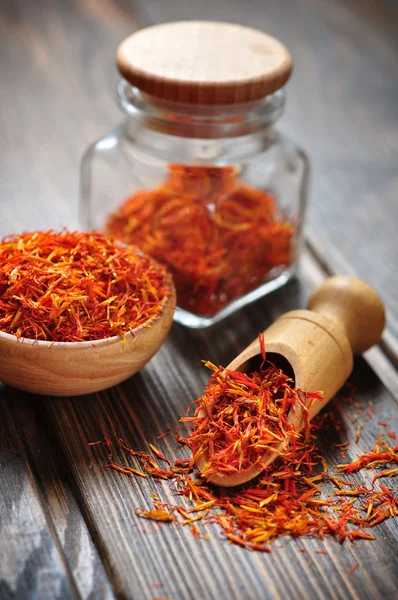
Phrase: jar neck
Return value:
(200, 121)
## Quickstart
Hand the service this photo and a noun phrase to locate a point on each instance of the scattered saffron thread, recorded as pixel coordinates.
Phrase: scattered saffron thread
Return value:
(290, 498)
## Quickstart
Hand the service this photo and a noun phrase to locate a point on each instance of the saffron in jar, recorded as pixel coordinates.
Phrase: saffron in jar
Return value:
(219, 238)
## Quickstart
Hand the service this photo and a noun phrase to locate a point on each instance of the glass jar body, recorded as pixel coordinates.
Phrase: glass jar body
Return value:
(220, 201)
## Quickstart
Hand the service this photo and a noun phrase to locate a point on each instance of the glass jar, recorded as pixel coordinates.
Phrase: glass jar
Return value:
(211, 189)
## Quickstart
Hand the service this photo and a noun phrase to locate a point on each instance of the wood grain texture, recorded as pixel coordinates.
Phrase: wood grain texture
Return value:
(75, 368)
(376, 356)
(202, 62)
(46, 47)
(57, 96)
(51, 476)
(152, 402)
(32, 564)
(355, 305)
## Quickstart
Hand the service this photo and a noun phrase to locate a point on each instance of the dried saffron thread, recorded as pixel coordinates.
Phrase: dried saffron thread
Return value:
(353, 568)
(76, 286)
(242, 416)
(291, 497)
(219, 238)
(255, 515)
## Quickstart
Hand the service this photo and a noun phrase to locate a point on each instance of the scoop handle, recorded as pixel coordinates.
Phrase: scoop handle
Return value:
(355, 305)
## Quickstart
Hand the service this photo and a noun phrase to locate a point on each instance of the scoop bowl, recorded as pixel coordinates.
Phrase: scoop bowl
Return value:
(345, 316)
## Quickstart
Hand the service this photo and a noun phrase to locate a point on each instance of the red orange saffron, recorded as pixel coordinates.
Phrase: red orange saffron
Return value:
(76, 286)
(242, 416)
(295, 496)
(293, 500)
(219, 238)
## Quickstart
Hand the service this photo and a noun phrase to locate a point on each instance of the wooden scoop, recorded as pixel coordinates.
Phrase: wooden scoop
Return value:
(345, 316)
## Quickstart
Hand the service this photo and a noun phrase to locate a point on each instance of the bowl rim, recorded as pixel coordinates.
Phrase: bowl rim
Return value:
(168, 297)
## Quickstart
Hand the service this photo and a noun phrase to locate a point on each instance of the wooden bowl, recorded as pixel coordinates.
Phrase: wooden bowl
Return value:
(75, 368)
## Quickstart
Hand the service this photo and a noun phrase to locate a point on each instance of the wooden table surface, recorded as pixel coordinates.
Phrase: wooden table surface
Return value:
(68, 530)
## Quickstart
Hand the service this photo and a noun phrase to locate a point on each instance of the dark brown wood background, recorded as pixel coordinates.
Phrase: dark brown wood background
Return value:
(68, 531)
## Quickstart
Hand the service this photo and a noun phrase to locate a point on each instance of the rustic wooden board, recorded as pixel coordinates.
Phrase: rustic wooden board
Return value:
(52, 478)
(32, 564)
(143, 558)
(57, 61)
(68, 530)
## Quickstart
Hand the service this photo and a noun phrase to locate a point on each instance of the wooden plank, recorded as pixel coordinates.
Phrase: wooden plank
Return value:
(168, 561)
(43, 66)
(65, 61)
(32, 564)
(52, 478)
(58, 61)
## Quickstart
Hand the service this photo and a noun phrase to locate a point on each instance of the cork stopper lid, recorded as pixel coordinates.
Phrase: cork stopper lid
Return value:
(203, 62)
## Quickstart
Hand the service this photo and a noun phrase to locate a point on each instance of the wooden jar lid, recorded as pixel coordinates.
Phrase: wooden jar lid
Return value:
(203, 62)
